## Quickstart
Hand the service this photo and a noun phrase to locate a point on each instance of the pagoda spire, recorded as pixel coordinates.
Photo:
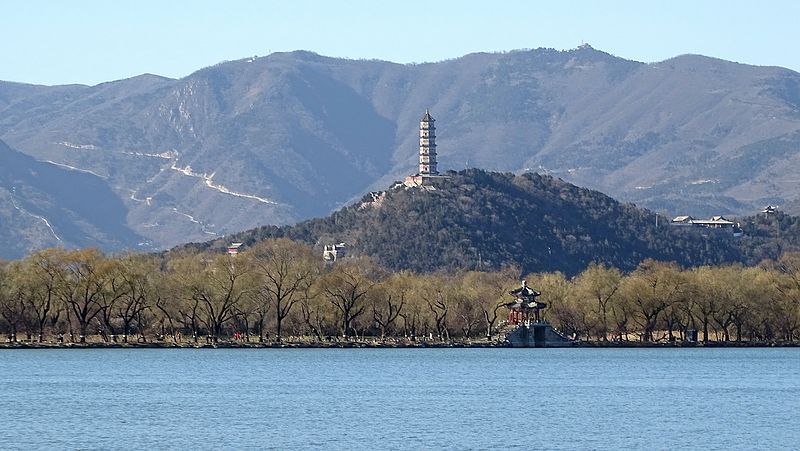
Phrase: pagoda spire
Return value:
(427, 145)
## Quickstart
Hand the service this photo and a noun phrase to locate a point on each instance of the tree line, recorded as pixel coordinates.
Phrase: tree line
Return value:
(279, 288)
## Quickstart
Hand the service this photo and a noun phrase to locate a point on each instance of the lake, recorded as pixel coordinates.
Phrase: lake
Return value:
(743, 398)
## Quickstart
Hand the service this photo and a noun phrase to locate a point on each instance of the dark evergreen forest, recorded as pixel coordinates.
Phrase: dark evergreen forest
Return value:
(479, 220)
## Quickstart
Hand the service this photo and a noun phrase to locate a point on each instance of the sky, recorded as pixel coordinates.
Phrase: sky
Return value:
(93, 41)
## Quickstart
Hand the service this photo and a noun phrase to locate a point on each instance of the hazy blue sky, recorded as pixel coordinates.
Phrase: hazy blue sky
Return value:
(59, 41)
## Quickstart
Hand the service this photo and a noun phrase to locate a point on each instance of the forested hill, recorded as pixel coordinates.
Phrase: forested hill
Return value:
(480, 220)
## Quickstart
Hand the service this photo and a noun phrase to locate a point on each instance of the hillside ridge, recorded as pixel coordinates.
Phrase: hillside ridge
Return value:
(46, 205)
(478, 220)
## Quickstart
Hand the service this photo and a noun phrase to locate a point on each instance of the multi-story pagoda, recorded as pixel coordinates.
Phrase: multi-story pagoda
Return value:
(427, 145)
(428, 170)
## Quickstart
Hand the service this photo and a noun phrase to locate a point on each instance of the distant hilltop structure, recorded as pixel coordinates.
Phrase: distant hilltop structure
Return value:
(428, 171)
(425, 178)
(427, 145)
(233, 249)
(716, 222)
(334, 252)
(769, 210)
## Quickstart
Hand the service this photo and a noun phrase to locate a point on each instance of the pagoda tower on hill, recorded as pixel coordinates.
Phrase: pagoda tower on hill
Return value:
(427, 145)
(428, 170)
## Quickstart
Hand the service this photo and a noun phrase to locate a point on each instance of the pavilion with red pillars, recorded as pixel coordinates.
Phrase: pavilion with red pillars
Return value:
(525, 309)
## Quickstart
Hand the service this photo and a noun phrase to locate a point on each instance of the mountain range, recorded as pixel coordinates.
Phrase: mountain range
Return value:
(289, 136)
(45, 205)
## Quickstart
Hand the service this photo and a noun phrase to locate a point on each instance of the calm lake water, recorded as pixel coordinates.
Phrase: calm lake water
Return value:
(400, 398)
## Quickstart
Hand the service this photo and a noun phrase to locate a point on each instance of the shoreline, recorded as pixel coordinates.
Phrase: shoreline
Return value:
(378, 345)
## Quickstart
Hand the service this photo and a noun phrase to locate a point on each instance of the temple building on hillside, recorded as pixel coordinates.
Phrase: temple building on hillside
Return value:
(233, 249)
(716, 222)
(428, 171)
(334, 252)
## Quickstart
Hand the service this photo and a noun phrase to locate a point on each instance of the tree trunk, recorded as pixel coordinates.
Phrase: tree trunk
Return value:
(489, 324)
(261, 328)
(126, 330)
(41, 330)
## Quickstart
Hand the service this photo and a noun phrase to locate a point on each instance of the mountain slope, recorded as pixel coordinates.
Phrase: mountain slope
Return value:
(478, 219)
(289, 136)
(44, 205)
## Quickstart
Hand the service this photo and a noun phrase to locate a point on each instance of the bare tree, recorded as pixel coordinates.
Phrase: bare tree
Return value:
(652, 288)
(312, 317)
(84, 276)
(285, 270)
(437, 292)
(489, 290)
(214, 286)
(389, 299)
(346, 287)
(11, 303)
(136, 283)
(599, 285)
(42, 272)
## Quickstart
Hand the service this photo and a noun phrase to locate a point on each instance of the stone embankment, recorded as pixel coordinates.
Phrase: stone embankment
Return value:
(370, 344)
